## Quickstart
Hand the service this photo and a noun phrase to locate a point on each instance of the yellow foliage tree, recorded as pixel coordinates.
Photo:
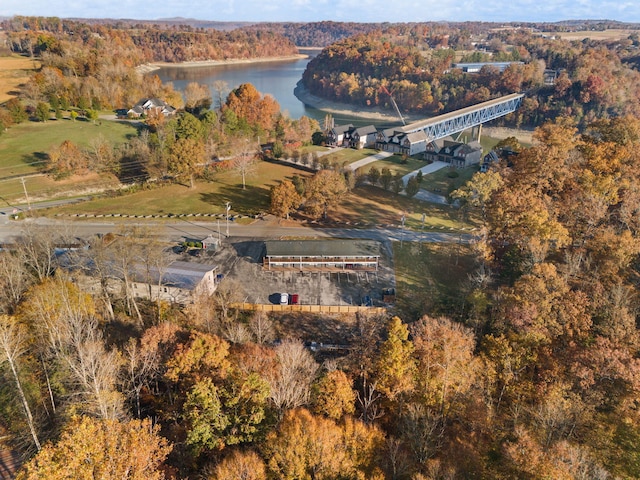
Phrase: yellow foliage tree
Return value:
(106, 449)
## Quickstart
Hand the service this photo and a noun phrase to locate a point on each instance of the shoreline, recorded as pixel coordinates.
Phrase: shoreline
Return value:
(151, 67)
(345, 109)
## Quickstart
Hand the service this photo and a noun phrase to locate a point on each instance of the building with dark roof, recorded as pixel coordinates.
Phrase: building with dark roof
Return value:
(322, 255)
(148, 106)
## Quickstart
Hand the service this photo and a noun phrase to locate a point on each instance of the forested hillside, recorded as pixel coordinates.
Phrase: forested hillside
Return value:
(181, 43)
(533, 375)
(590, 79)
(529, 370)
(316, 34)
(93, 66)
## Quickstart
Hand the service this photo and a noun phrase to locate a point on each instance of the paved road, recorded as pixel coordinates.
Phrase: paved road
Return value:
(179, 230)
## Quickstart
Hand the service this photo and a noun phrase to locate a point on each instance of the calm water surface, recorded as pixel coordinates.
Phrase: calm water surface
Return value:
(275, 78)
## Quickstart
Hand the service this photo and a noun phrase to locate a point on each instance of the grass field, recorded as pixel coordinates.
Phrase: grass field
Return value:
(429, 277)
(14, 71)
(24, 147)
(395, 165)
(346, 156)
(613, 34)
(206, 197)
(440, 182)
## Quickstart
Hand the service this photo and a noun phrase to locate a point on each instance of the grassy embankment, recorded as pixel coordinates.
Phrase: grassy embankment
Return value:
(23, 151)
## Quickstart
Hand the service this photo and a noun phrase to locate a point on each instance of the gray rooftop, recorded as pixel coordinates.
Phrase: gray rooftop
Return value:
(327, 248)
(185, 275)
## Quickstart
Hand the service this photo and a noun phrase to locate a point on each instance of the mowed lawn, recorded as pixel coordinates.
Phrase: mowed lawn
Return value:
(206, 197)
(24, 147)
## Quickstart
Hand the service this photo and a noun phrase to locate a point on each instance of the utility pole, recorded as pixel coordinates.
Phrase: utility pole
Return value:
(228, 208)
(24, 187)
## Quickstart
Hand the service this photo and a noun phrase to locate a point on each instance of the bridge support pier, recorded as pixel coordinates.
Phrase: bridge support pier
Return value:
(476, 133)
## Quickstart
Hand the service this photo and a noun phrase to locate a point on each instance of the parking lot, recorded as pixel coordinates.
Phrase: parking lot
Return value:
(240, 261)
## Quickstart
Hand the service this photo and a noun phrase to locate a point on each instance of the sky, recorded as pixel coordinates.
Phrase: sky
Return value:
(337, 10)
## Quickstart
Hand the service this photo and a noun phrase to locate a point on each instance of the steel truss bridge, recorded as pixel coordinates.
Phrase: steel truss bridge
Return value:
(465, 118)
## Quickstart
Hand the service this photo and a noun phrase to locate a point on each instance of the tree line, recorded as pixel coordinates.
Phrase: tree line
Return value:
(589, 80)
(534, 374)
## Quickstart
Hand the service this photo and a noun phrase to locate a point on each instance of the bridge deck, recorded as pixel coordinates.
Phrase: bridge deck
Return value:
(430, 122)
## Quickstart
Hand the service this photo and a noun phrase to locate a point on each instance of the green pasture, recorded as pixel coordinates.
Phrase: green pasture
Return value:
(24, 147)
(395, 164)
(206, 197)
(430, 277)
(346, 156)
(444, 181)
(373, 205)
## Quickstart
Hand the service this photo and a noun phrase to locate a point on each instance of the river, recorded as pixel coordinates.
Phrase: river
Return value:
(277, 79)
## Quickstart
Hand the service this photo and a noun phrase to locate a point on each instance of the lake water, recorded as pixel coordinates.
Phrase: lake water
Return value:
(275, 78)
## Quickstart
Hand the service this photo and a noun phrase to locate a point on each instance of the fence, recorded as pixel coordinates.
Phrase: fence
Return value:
(309, 308)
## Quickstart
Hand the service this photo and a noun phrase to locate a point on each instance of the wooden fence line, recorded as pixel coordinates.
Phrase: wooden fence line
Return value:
(308, 308)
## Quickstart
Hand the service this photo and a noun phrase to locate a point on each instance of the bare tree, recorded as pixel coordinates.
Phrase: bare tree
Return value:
(12, 346)
(154, 262)
(14, 281)
(37, 248)
(67, 330)
(262, 327)
(124, 265)
(101, 152)
(222, 90)
(245, 162)
(291, 381)
(140, 366)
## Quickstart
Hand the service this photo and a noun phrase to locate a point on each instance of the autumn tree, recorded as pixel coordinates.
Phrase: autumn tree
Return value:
(310, 446)
(284, 199)
(446, 364)
(306, 446)
(13, 345)
(334, 395)
(395, 365)
(240, 465)
(91, 448)
(67, 159)
(186, 158)
(249, 105)
(324, 191)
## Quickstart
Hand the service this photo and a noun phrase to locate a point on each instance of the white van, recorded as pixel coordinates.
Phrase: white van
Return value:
(284, 299)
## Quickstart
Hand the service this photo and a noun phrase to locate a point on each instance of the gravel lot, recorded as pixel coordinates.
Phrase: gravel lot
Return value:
(240, 260)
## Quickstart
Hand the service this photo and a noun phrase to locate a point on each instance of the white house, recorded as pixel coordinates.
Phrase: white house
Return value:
(148, 106)
(361, 137)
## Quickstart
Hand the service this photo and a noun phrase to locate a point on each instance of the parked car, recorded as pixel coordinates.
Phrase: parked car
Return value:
(295, 299)
(284, 299)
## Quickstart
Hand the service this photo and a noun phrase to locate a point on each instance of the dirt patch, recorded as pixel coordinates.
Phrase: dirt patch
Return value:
(14, 71)
(523, 136)
(613, 34)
